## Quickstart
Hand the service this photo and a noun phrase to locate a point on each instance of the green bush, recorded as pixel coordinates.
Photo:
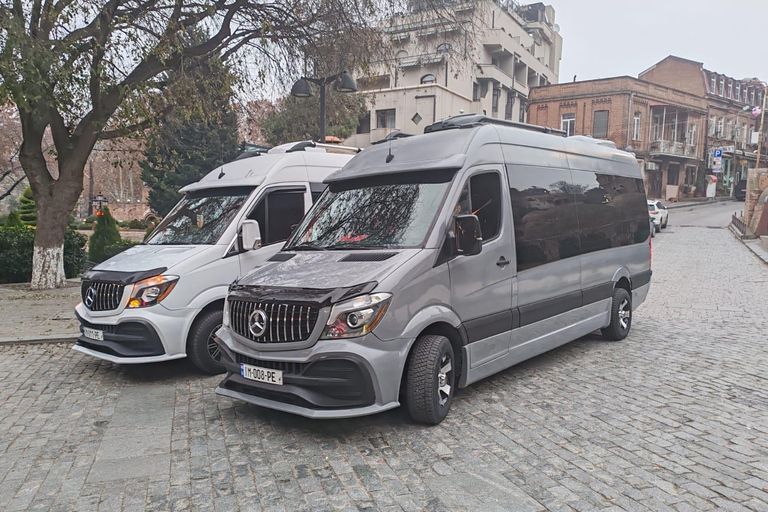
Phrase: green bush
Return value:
(17, 245)
(28, 209)
(118, 247)
(105, 233)
(137, 224)
(13, 220)
(90, 220)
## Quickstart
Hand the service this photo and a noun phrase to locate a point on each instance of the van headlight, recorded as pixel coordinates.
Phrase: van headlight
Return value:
(151, 291)
(356, 317)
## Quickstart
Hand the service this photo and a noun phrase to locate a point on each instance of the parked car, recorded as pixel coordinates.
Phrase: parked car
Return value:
(424, 267)
(740, 190)
(164, 299)
(659, 213)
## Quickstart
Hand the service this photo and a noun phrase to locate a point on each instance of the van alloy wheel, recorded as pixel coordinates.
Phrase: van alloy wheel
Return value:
(444, 378)
(213, 348)
(624, 314)
(621, 316)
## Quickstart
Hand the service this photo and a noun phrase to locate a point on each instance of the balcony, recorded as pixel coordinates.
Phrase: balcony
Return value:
(499, 43)
(499, 77)
(666, 147)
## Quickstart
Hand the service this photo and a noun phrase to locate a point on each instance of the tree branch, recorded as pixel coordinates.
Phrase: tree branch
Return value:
(8, 192)
(136, 127)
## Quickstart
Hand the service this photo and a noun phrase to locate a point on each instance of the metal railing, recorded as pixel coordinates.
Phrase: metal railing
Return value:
(739, 224)
(673, 148)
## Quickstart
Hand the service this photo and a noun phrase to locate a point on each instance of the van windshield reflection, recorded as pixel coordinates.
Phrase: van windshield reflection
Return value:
(200, 218)
(375, 217)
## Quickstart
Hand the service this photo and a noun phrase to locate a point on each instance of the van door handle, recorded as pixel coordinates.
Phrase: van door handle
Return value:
(503, 262)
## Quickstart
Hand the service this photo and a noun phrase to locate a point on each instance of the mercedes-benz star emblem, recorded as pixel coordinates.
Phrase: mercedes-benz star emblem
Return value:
(90, 297)
(257, 322)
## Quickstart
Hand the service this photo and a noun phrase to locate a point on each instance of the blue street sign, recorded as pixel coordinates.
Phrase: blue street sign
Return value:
(718, 153)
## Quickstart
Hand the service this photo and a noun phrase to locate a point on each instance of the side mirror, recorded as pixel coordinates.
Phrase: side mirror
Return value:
(250, 235)
(469, 239)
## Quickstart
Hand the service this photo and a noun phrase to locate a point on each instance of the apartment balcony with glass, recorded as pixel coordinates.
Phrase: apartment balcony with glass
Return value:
(676, 132)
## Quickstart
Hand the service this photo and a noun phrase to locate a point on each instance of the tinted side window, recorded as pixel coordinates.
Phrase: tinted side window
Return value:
(482, 197)
(277, 214)
(544, 212)
(284, 212)
(610, 210)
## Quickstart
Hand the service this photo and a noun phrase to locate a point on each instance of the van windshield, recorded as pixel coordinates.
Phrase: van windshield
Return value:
(200, 217)
(372, 217)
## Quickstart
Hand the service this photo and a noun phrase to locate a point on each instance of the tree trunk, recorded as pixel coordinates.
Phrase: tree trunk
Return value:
(48, 261)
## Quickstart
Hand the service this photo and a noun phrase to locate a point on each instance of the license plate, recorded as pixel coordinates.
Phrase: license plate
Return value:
(261, 374)
(93, 334)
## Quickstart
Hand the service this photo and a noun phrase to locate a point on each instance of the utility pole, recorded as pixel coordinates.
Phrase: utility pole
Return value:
(760, 133)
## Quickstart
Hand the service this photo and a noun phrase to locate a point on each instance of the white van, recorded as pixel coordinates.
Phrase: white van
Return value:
(163, 299)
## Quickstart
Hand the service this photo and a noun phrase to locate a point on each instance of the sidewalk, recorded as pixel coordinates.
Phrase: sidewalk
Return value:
(695, 202)
(30, 316)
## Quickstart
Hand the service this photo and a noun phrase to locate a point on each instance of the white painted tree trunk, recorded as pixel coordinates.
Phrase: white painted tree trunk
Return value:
(48, 268)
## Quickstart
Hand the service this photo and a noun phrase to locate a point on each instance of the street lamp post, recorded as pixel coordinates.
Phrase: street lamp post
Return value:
(760, 132)
(101, 200)
(303, 89)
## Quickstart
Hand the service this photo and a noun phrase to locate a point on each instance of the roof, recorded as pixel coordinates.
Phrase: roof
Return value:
(475, 145)
(256, 170)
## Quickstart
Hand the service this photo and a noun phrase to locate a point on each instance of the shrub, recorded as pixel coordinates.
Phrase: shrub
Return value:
(137, 224)
(105, 233)
(28, 209)
(74, 253)
(17, 246)
(13, 220)
(118, 247)
(91, 219)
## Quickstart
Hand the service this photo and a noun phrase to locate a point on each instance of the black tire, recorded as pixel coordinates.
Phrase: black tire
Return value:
(653, 232)
(427, 403)
(657, 227)
(205, 357)
(620, 323)
(665, 223)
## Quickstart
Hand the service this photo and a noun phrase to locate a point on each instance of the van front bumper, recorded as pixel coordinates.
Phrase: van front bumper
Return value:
(332, 379)
(138, 337)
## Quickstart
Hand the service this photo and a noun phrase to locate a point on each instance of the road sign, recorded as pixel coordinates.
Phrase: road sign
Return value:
(718, 153)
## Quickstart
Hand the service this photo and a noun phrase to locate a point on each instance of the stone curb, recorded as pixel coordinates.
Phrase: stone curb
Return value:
(673, 206)
(61, 338)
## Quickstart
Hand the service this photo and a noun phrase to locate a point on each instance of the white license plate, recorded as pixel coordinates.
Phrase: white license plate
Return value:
(93, 334)
(261, 374)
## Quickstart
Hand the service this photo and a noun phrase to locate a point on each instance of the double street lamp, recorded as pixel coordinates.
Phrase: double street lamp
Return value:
(303, 89)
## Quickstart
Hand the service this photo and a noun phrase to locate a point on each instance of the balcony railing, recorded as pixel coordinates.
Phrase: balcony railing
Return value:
(666, 147)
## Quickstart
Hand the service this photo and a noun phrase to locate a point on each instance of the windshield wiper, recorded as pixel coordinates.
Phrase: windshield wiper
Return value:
(341, 246)
(306, 246)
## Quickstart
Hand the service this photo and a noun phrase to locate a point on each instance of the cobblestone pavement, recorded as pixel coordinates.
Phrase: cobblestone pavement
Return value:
(673, 418)
(27, 314)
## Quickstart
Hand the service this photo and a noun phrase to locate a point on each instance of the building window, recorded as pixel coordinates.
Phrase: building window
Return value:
(657, 127)
(385, 118)
(712, 84)
(720, 122)
(730, 89)
(759, 98)
(428, 79)
(523, 107)
(495, 100)
(444, 48)
(475, 91)
(729, 129)
(509, 106)
(673, 174)
(752, 94)
(712, 125)
(364, 125)
(636, 127)
(738, 91)
(722, 86)
(744, 133)
(568, 123)
(600, 124)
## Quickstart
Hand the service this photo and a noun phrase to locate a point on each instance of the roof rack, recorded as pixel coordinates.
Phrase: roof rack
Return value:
(471, 120)
(301, 146)
(393, 136)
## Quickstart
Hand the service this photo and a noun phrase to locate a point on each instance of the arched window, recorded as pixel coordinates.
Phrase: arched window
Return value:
(444, 48)
(401, 55)
(428, 79)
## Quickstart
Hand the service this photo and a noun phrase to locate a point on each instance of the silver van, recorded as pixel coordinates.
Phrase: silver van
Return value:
(433, 261)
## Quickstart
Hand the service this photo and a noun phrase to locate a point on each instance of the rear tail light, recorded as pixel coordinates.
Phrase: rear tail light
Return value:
(654, 212)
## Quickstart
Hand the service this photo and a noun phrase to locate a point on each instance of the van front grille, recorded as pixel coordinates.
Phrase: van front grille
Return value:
(101, 296)
(276, 322)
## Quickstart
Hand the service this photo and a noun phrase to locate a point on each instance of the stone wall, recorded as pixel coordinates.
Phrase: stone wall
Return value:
(757, 188)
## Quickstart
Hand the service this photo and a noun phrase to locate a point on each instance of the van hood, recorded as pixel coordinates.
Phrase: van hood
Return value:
(148, 257)
(327, 269)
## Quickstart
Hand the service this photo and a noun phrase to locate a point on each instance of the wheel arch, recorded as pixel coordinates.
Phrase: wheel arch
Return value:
(441, 328)
(211, 306)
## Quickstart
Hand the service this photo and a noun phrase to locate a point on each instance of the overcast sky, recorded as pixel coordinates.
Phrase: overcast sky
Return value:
(604, 38)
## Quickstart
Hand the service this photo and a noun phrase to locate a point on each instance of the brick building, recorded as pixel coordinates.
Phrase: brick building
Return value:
(664, 127)
(730, 125)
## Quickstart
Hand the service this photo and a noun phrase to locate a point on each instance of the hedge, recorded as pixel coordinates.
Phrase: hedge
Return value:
(17, 247)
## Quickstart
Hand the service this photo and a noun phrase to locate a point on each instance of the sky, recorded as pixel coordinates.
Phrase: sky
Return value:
(604, 38)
